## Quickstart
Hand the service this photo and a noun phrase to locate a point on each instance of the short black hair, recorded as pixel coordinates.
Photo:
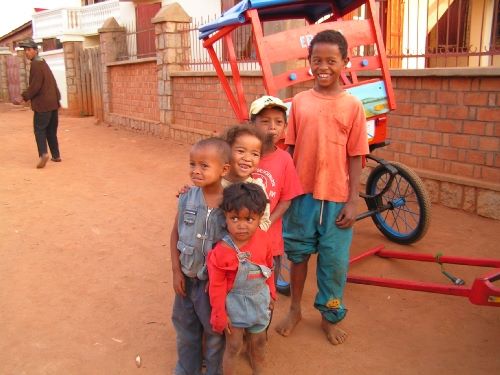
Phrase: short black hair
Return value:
(220, 145)
(254, 116)
(331, 37)
(241, 195)
(234, 132)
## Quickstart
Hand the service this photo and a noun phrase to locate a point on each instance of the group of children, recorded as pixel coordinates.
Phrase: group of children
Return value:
(229, 236)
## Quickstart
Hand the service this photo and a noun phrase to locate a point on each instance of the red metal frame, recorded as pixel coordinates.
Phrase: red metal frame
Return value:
(482, 291)
(292, 45)
(276, 48)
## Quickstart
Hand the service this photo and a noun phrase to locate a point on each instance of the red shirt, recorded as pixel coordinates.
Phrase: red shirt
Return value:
(222, 266)
(280, 179)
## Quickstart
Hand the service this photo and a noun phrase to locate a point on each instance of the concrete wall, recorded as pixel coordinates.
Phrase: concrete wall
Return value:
(55, 59)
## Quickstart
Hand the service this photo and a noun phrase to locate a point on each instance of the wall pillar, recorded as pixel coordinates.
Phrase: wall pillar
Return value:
(112, 42)
(72, 52)
(172, 50)
(24, 69)
(4, 89)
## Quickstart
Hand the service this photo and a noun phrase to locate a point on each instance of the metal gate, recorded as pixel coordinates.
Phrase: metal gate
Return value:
(13, 77)
(90, 82)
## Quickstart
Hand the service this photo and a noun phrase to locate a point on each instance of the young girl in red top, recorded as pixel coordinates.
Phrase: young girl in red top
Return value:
(241, 287)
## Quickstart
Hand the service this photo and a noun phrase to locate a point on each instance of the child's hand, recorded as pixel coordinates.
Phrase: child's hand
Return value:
(227, 330)
(271, 305)
(179, 284)
(347, 216)
(183, 190)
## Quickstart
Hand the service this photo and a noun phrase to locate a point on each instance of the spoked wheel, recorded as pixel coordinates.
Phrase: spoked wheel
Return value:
(408, 216)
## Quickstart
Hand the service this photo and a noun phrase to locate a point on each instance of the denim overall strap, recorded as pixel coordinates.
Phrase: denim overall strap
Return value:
(247, 303)
(245, 257)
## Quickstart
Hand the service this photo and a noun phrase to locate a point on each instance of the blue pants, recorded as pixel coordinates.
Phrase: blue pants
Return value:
(45, 128)
(308, 228)
(191, 319)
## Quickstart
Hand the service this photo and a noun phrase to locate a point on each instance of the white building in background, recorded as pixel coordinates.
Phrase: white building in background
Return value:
(198, 8)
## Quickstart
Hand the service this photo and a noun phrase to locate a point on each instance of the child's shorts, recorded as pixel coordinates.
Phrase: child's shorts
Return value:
(309, 228)
(258, 328)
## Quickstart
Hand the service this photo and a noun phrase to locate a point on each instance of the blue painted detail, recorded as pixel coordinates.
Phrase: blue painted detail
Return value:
(364, 62)
(292, 76)
(270, 10)
(399, 202)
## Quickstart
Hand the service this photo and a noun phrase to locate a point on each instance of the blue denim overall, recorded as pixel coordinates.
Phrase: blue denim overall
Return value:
(247, 303)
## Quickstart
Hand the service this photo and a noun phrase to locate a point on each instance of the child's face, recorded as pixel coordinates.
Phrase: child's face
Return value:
(242, 224)
(206, 166)
(245, 155)
(272, 122)
(326, 64)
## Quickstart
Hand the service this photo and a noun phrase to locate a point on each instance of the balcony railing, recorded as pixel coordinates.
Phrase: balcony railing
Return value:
(82, 21)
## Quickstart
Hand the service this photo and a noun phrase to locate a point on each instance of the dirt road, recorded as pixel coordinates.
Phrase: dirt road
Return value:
(85, 282)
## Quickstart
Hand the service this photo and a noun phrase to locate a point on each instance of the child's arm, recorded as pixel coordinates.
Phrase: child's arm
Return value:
(279, 210)
(270, 280)
(178, 276)
(217, 290)
(265, 220)
(183, 190)
(347, 216)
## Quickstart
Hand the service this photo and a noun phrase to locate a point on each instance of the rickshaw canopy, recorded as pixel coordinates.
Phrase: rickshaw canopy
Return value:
(270, 10)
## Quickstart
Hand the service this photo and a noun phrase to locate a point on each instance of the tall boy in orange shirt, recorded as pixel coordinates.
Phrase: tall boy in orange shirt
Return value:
(327, 138)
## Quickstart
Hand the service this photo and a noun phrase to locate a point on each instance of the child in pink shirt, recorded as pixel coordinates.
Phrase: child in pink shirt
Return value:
(241, 284)
(275, 169)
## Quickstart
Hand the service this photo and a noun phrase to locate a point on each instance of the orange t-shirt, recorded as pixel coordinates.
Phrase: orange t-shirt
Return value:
(325, 131)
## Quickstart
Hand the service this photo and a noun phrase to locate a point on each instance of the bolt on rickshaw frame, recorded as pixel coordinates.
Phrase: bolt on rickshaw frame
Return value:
(378, 99)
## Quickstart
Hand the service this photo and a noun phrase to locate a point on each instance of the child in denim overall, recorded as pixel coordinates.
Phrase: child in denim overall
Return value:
(242, 290)
(198, 225)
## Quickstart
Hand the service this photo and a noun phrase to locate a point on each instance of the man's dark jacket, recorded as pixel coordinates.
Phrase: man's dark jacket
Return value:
(42, 90)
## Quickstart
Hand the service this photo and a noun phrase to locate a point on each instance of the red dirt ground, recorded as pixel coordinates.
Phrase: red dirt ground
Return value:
(85, 283)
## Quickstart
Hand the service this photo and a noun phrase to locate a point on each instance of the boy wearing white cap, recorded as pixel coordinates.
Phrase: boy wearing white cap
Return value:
(276, 168)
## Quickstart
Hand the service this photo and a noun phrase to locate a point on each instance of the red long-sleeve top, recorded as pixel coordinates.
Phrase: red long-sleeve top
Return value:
(222, 265)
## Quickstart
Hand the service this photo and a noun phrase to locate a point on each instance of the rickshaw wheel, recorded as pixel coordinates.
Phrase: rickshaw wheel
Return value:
(408, 218)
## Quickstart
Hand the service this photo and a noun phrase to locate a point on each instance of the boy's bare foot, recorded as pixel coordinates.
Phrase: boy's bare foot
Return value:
(333, 332)
(286, 326)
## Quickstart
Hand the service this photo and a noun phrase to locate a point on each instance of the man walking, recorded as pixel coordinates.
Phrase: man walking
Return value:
(44, 95)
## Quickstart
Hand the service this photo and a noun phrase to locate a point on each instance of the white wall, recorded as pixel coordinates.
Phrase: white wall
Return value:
(414, 33)
(55, 60)
(198, 8)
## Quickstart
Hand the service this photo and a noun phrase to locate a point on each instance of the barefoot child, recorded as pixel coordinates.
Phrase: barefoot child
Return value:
(241, 278)
(198, 225)
(275, 168)
(327, 137)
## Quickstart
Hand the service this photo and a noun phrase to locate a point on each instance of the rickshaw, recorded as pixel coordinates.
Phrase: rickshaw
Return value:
(395, 196)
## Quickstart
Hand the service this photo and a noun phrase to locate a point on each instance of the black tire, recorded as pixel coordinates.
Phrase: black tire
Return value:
(409, 218)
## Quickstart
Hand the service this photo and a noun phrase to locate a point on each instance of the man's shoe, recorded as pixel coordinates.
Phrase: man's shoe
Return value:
(56, 159)
(43, 160)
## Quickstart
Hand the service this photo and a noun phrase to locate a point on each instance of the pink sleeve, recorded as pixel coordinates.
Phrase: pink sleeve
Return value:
(357, 144)
(270, 280)
(217, 291)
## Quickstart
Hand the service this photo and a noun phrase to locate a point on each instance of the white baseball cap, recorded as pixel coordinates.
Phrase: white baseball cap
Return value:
(266, 101)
